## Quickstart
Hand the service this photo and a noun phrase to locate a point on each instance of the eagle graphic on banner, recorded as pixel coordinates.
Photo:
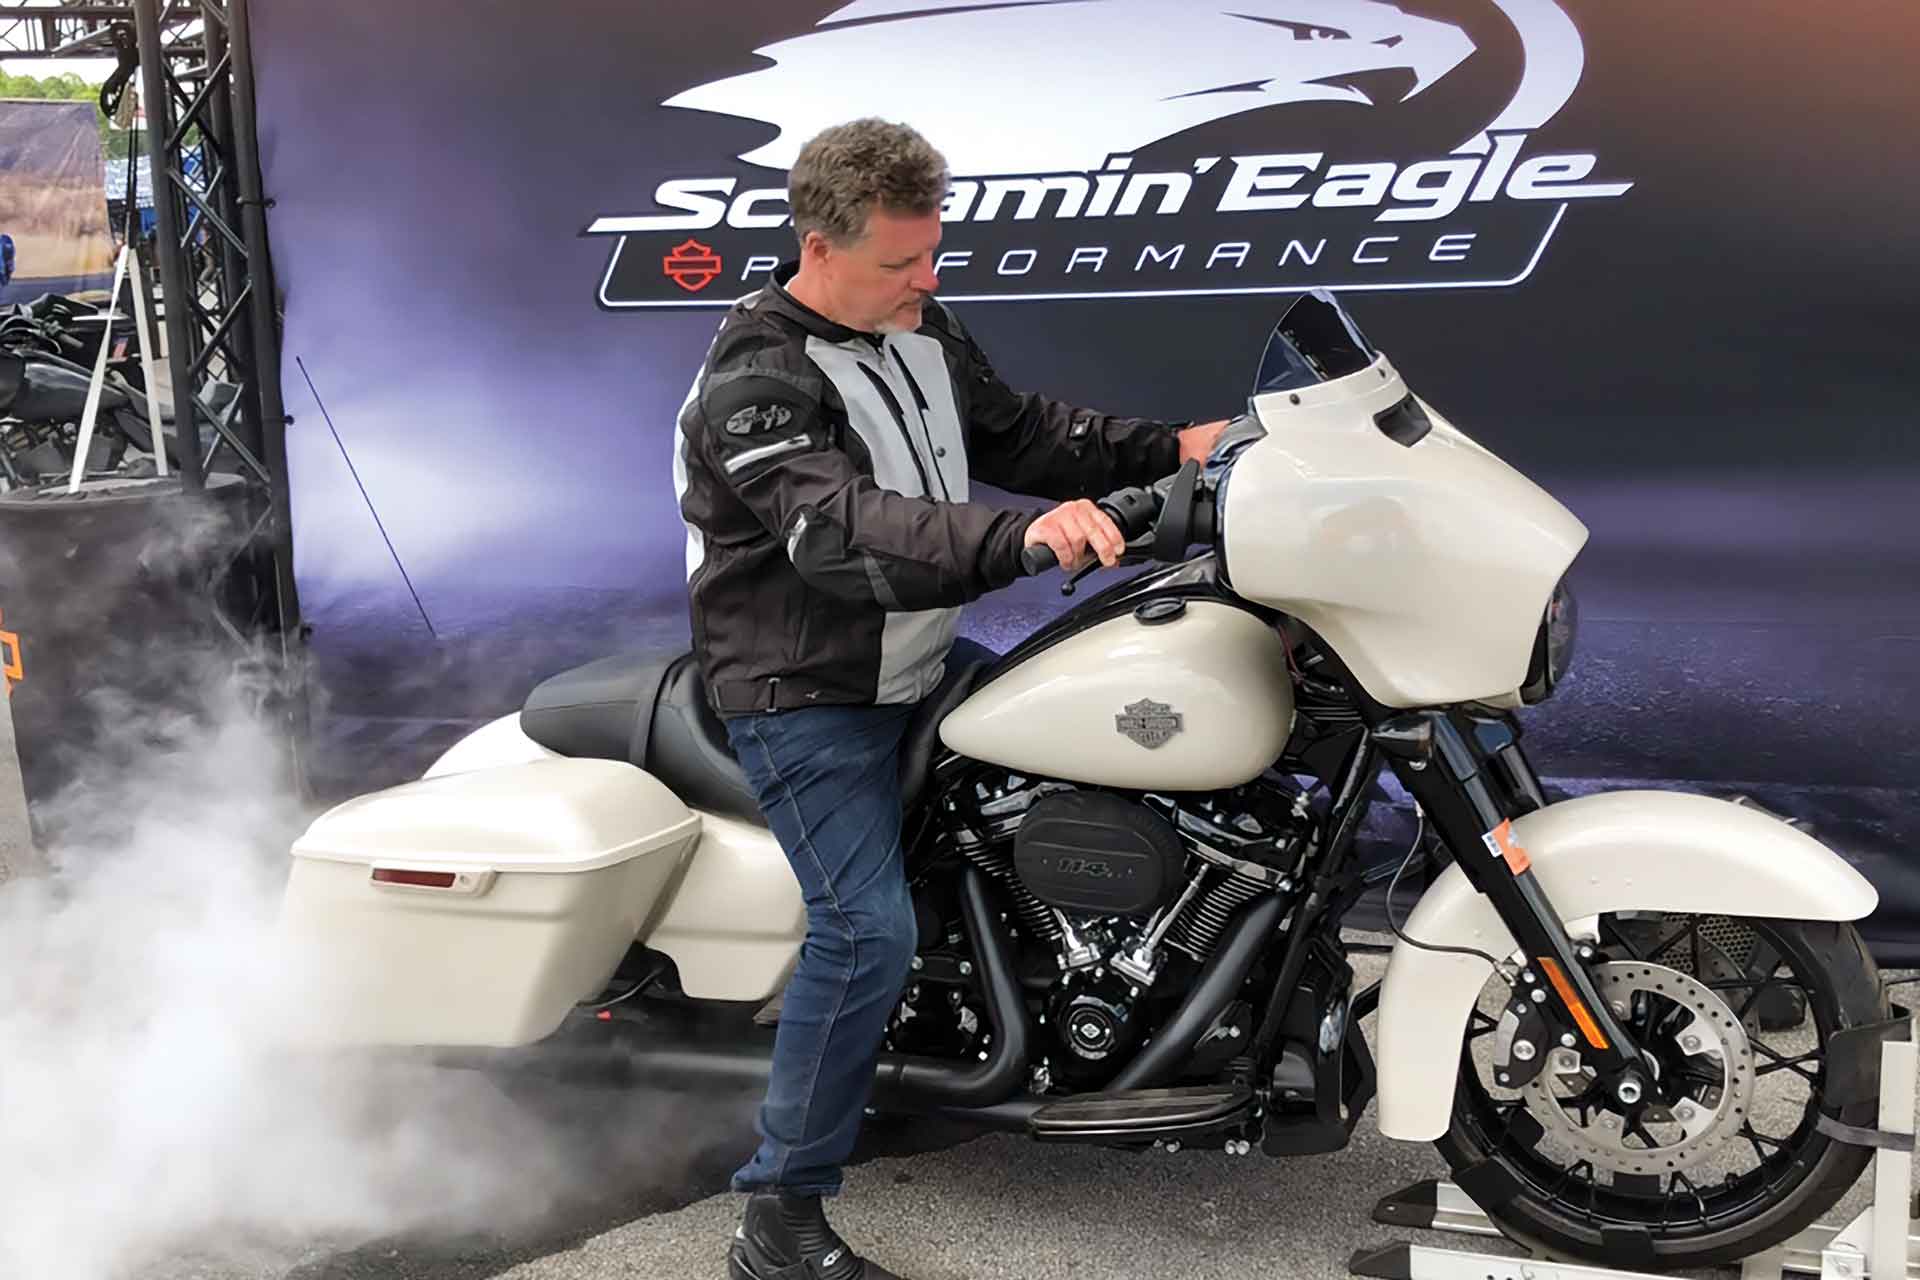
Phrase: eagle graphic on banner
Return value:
(1051, 86)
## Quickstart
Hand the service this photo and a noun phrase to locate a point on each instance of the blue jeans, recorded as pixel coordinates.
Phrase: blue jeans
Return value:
(828, 782)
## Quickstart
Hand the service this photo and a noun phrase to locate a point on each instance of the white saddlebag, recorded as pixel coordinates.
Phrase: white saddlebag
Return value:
(477, 908)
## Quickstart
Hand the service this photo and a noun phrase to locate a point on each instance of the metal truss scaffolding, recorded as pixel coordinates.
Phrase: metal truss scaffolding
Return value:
(52, 29)
(210, 254)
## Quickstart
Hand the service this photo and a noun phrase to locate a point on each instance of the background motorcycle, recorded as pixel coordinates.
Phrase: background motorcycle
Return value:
(47, 348)
(1628, 1021)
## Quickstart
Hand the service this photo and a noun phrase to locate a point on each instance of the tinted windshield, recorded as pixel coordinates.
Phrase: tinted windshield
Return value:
(1315, 341)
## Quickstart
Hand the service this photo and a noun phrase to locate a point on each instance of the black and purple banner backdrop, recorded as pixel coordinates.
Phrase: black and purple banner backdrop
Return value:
(1660, 257)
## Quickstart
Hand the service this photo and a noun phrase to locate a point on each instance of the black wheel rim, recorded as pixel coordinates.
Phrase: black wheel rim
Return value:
(1678, 1206)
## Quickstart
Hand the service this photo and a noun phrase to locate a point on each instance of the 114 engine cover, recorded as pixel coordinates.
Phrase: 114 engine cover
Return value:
(1098, 854)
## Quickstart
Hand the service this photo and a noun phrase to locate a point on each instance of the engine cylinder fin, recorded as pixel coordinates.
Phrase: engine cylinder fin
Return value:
(995, 860)
(1200, 925)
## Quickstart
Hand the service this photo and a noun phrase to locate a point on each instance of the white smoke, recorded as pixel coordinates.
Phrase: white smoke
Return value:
(144, 1108)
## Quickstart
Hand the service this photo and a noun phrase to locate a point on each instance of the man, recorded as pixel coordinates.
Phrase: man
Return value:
(824, 460)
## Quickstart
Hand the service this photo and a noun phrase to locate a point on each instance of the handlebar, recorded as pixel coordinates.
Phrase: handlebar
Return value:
(1178, 511)
(1037, 559)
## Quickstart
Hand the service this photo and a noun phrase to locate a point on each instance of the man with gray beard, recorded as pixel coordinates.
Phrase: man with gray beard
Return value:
(824, 460)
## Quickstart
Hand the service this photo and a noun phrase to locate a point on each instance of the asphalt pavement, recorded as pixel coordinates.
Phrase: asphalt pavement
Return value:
(646, 1197)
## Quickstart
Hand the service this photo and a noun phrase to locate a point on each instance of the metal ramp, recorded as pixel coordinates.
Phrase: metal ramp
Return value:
(1879, 1244)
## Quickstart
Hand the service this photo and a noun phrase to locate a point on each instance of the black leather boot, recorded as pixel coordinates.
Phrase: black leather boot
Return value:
(784, 1236)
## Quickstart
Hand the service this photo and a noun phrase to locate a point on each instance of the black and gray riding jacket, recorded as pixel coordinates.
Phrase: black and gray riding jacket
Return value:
(823, 477)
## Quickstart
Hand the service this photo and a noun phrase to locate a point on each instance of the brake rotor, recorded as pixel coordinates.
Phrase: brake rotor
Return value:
(1682, 1023)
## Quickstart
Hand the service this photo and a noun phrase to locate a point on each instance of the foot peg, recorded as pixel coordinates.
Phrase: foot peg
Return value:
(1141, 1115)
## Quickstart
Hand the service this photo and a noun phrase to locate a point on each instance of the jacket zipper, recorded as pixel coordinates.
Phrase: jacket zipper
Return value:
(900, 420)
(920, 404)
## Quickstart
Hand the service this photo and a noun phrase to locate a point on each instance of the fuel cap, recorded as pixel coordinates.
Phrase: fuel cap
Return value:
(1155, 612)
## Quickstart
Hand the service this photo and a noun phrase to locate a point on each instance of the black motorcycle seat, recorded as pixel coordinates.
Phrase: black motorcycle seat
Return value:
(651, 710)
(921, 745)
(13, 372)
(687, 748)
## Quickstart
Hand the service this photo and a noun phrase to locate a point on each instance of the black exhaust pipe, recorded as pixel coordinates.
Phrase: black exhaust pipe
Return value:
(1225, 970)
(710, 1055)
(939, 1082)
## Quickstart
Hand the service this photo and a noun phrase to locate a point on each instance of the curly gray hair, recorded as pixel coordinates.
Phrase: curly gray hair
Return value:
(845, 172)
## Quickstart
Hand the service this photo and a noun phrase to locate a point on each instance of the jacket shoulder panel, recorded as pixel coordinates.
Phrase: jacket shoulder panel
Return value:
(939, 322)
(758, 379)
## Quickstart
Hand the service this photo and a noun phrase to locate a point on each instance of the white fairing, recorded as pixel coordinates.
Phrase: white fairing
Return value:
(1427, 568)
(1625, 850)
(1060, 713)
(500, 742)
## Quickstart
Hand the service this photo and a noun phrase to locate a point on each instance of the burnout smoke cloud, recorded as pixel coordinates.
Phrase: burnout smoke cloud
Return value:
(147, 1104)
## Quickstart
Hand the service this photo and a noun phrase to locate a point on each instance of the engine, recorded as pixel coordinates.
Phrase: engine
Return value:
(1098, 854)
(1114, 889)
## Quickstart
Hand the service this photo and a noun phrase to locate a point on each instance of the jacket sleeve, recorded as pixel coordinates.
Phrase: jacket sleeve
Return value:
(1029, 444)
(768, 440)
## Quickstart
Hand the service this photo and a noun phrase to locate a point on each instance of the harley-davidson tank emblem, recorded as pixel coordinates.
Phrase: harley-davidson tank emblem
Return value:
(1148, 723)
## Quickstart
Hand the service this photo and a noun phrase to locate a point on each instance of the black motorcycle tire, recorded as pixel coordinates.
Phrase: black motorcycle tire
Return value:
(1844, 990)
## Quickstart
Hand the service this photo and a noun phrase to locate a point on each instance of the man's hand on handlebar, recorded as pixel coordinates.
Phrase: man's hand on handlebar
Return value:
(1072, 529)
(1196, 443)
(1176, 513)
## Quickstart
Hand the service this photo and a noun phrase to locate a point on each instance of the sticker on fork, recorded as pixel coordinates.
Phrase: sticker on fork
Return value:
(1501, 844)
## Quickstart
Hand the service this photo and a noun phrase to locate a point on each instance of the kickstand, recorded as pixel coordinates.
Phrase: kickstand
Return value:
(1877, 1245)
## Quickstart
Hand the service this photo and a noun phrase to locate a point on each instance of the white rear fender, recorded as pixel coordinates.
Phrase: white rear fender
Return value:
(1618, 851)
(499, 742)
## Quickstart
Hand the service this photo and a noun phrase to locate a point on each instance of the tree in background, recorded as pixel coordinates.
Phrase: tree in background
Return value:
(68, 87)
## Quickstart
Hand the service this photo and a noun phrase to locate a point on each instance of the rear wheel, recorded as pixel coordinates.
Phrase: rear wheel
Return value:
(1724, 1157)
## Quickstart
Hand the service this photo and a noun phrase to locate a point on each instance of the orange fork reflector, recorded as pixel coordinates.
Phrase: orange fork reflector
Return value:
(1582, 1017)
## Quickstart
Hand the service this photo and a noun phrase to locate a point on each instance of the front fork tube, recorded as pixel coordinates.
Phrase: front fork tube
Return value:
(1471, 778)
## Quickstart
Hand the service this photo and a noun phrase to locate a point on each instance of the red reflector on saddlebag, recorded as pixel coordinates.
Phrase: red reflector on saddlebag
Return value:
(417, 879)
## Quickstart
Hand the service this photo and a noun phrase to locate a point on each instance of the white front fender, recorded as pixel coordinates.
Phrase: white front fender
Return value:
(1617, 851)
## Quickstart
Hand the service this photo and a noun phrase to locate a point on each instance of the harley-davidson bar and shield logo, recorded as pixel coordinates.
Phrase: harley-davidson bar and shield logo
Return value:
(691, 265)
(1148, 723)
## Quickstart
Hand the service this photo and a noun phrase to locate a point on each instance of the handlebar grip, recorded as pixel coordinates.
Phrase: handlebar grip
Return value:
(1037, 559)
(1132, 510)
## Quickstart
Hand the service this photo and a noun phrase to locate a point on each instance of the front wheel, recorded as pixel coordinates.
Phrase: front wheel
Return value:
(1724, 1158)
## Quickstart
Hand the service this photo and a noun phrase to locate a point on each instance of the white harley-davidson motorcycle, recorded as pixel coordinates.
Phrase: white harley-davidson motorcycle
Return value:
(1637, 1025)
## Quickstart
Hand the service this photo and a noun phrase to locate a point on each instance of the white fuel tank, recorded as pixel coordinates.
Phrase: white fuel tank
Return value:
(1194, 700)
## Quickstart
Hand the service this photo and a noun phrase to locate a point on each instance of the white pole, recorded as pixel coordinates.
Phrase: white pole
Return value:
(144, 329)
(1893, 1170)
(85, 444)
